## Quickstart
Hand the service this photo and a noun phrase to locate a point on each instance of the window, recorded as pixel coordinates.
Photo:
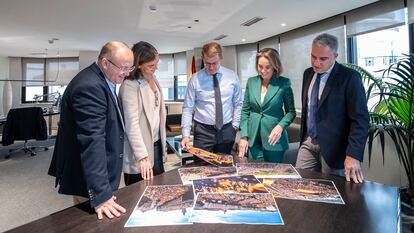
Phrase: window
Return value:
(165, 75)
(45, 79)
(181, 86)
(246, 62)
(376, 51)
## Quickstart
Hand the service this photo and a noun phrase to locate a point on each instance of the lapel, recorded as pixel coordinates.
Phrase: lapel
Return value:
(145, 92)
(272, 89)
(307, 82)
(162, 106)
(256, 89)
(329, 84)
(102, 76)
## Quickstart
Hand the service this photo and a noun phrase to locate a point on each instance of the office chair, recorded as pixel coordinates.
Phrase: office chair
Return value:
(24, 124)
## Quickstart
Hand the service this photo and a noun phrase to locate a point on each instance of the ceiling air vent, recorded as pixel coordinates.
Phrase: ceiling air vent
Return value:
(251, 21)
(220, 37)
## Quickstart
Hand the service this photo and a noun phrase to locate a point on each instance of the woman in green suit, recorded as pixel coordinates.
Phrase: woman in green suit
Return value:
(268, 109)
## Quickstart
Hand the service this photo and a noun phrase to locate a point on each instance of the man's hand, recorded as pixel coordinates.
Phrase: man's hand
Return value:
(146, 168)
(353, 170)
(243, 145)
(109, 208)
(275, 134)
(185, 143)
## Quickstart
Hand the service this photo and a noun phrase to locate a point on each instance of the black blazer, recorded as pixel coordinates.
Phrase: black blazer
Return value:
(342, 118)
(24, 124)
(87, 160)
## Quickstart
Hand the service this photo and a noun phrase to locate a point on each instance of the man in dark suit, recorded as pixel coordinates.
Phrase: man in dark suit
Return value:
(334, 123)
(87, 160)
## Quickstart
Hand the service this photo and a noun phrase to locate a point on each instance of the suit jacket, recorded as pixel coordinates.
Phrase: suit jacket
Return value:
(265, 116)
(18, 127)
(342, 118)
(87, 160)
(139, 112)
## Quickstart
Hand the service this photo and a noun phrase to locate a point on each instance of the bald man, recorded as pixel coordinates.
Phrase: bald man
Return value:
(88, 155)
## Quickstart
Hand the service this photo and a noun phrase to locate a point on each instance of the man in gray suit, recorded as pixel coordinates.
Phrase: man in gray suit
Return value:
(334, 122)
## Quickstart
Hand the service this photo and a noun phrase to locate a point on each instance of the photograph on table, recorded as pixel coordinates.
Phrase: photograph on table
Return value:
(219, 160)
(236, 208)
(304, 189)
(188, 174)
(230, 184)
(171, 203)
(267, 170)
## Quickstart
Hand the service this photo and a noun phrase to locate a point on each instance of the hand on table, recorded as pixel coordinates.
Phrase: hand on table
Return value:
(146, 168)
(243, 146)
(353, 170)
(110, 208)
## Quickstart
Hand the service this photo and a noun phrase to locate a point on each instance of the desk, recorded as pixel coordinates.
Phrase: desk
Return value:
(370, 207)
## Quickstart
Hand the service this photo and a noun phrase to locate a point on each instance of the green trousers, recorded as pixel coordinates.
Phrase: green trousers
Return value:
(257, 152)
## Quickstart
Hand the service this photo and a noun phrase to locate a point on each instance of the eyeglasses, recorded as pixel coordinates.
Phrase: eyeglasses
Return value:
(123, 69)
(211, 64)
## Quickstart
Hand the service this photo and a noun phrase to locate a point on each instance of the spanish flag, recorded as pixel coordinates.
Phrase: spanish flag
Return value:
(193, 67)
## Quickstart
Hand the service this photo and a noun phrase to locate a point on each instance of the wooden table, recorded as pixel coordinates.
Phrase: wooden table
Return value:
(370, 207)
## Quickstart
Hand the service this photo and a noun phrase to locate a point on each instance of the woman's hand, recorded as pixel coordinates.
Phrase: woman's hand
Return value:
(146, 168)
(243, 145)
(275, 135)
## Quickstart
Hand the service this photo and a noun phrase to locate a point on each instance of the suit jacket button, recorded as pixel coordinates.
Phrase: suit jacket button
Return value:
(121, 155)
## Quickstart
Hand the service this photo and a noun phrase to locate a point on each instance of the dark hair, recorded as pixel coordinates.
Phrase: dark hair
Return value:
(211, 49)
(272, 55)
(143, 52)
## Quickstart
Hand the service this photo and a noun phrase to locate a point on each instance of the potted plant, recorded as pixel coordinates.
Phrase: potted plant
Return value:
(392, 114)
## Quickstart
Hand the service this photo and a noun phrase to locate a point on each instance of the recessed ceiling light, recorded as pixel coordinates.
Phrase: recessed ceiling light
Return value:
(220, 37)
(189, 27)
(283, 24)
(251, 21)
(196, 20)
(243, 40)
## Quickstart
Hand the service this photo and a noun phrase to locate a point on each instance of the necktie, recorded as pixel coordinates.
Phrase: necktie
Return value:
(117, 99)
(313, 108)
(219, 107)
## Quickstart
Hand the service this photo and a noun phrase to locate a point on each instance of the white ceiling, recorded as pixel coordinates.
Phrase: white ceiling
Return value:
(26, 26)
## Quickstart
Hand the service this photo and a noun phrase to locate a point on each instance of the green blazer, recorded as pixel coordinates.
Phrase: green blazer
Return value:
(277, 108)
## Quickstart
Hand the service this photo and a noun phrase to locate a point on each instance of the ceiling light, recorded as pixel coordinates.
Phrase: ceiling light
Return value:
(220, 37)
(243, 40)
(283, 24)
(251, 21)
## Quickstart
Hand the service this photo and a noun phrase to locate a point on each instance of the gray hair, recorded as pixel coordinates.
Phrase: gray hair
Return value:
(329, 40)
